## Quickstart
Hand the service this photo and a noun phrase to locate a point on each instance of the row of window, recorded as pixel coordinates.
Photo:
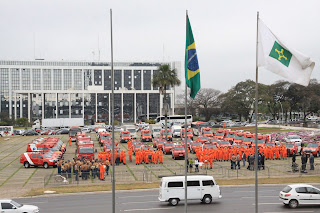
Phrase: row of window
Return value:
(190, 183)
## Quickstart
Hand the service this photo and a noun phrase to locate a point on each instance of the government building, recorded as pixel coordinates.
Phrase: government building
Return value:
(41, 89)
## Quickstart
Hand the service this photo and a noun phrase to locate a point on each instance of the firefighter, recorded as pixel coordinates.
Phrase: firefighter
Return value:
(102, 170)
(70, 141)
(130, 155)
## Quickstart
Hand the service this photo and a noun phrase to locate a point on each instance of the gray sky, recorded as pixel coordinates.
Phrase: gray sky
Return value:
(149, 30)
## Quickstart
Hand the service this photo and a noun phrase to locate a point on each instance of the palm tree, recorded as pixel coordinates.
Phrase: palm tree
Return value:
(163, 79)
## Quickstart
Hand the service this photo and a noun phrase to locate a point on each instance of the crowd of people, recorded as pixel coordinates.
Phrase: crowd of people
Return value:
(84, 168)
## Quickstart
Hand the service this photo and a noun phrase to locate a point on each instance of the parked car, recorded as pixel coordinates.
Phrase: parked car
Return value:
(300, 194)
(14, 207)
(18, 131)
(293, 138)
(178, 151)
(29, 132)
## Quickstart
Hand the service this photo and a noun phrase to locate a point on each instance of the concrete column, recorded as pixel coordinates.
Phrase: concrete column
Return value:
(72, 78)
(62, 79)
(142, 83)
(151, 79)
(122, 78)
(42, 111)
(21, 106)
(56, 105)
(82, 79)
(83, 105)
(69, 105)
(135, 108)
(15, 106)
(29, 115)
(148, 105)
(132, 79)
(31, 79)
(121, 108)
(51, 72)
(10, 93)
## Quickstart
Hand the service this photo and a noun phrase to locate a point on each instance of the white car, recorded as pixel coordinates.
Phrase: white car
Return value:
(293, 138)
(300, 194)
(12, 206)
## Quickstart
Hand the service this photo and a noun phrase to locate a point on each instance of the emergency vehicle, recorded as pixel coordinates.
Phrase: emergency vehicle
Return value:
(292, 147)
(230, 136)
(85, 151)
(160, 143)
(167, 147)
(168, 133)
(189, 133)
(248, 139)
(194, 145)
(146, 136)
(224, 144)
(202, 139)
(85, 138)
(206, 131)
(208, 146)
(188, 142)
(38, 159)
(238, 139)
(311, 148)
(136, 147)
(124, 136)
(220, 133)
(73, 132)
(44, 148)
(178, 151)
(103, 136)
(48, 142)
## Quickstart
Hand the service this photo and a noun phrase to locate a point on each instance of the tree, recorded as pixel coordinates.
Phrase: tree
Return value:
(164, 79)
(207, 102)
(22, 122)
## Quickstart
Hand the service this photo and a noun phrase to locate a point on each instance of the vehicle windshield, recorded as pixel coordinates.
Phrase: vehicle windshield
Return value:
(55, 148)
(219, 134)
(269, 144)
(203, 138)
(248, 139)
(169, 144)
(176, 130)
(196, 144)
(261, 140)
(207, 132)
(146, 134)
(85, 150)
(156, 130)
(239, 137)
(230, 136)
(312, 145)
(18, 205)
(106, 137)
(289, 145)
(73, 132)
(179, 148)
(47, 155)
(138, 145)
(126, 135)
(224, 142)
(161, 141)
(132, 130)
(293, 137)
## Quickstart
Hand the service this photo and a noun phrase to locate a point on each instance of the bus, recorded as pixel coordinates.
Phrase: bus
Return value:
(174, 119)
(196, 127)
(6, 131)
(73, 132)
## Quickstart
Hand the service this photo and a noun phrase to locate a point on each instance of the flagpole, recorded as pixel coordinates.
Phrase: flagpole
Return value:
(112, 120)
(185, 140)
(256, 126)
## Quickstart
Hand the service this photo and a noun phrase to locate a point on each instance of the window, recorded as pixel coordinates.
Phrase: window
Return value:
(40, 148)
(6, 206)
(313, 190)
(286, 189)
(39, 156)
(301, 190)
(193, 183)
(34, 156)
(207, 183)
(175, 184)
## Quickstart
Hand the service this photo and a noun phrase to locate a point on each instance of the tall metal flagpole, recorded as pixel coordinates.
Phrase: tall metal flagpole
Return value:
(256, 126)
(185, 141)
(112, 120)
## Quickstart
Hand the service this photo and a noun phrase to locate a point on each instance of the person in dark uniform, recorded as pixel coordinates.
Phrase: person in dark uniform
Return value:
(76, 171)
(303, 162)
(262, 161)
(311, 160)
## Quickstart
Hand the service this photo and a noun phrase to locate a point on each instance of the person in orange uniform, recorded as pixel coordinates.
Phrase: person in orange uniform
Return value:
(160, 157)
(70, 141)
(102, 170)
(130, 155)
(137, 158)
(124, 158)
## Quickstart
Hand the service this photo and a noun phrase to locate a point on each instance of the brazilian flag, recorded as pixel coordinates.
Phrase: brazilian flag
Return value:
(192, 71)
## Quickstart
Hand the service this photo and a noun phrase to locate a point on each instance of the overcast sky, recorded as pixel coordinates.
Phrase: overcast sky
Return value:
(150, 30)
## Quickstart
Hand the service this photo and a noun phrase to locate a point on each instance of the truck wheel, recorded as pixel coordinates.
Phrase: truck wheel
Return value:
(46, 165)
(26, 165)
(318, 154)
(174, 201)
(293, 204)
(207, 199)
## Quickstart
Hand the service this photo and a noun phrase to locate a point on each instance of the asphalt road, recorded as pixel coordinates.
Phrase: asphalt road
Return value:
(235, 199)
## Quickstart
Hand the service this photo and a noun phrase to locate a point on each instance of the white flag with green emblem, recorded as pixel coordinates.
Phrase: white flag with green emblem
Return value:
(278, 58)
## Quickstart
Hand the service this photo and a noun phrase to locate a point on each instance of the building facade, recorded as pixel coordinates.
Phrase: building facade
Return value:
(64, 89)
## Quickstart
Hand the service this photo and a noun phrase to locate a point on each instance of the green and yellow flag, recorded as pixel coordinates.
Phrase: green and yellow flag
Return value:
(192, 71)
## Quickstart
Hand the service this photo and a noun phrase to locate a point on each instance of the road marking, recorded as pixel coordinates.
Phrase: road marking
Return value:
(291, 212)
(140, 202)
(132, 210)
(259, 197)
(139, 196)
(267, 204)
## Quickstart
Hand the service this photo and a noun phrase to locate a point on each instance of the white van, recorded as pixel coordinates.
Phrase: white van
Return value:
(132, 129)
(156, 130)
(175, 131)
(200, 187)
